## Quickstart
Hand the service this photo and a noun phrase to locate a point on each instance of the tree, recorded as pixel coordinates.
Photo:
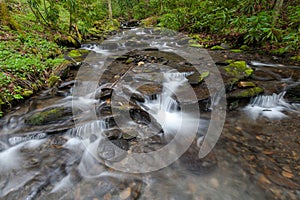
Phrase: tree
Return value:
(277, 10)
(109, 9)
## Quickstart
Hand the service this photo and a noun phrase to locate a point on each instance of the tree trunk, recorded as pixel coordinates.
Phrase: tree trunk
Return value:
(109, 9)
(277, 10)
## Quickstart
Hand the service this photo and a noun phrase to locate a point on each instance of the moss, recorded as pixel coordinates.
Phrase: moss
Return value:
(53, 80)
(34, 87)
(239, 69)
(68, 41)
(196, 45)
(296, 58)
(78, 54)
(203, 76)
(217, 47)
(244, 48)
(27, 93)
(129, 60)
(236, 51)
(150, 21)
(247, 93)
(5, 17)
(48, 116)
(74, 53)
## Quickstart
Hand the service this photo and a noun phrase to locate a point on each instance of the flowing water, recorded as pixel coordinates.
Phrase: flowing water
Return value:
(80, 146)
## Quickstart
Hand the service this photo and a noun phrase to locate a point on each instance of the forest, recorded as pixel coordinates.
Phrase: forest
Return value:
(35, 32)
(149, 99)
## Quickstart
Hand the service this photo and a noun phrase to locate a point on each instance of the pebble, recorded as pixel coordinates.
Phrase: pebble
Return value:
(125, 193)
(214, 182)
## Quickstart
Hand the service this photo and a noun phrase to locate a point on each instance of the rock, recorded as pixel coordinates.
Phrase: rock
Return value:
(235, 71)
(183, 41)
(246, 93)
(282, 181)
(78, 54)
(225, 46)
(125, 194)
(214, 182)
(110, 151)
(140, 116)
(68, 41)
(149, 90)
(150, 21)
(245, 84)
(191, 161)
(109, 45)
(49, 116)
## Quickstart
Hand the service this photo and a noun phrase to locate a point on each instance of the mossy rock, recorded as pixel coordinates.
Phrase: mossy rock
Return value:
(217, 47)
(27, 93)
(67, 41)
(49, 116)
(238, 70)
(6, 19)
(150, 21)
(246, 93)
(78, 54)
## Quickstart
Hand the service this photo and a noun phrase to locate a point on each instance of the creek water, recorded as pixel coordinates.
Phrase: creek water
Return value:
(133, 95)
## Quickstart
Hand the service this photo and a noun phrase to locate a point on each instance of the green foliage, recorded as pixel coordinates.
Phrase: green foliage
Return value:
(170, 21)
(24, 61)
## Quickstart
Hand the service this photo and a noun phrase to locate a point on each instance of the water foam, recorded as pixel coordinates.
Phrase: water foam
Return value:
(269, 106)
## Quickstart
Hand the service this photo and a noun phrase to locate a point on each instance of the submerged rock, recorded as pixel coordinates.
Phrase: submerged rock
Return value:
(49, 116)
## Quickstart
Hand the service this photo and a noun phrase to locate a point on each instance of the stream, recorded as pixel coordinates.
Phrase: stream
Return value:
(148, 116)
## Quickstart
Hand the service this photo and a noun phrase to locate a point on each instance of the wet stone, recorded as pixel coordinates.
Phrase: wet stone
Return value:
(114, 133)
(3, 146)
(111, 151)
(191, 161)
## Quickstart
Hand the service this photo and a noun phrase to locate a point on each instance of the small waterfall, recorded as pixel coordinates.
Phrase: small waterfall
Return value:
(269, 106)
(19, 139)
(164, 108)
(94, 127)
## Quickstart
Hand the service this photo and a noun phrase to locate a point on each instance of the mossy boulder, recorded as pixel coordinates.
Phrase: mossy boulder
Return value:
(67, 41)
(237, 70)
(246, 93)
(27, 93)
(78, 54)
(49, 116)
(6, 19)
(150, 21)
